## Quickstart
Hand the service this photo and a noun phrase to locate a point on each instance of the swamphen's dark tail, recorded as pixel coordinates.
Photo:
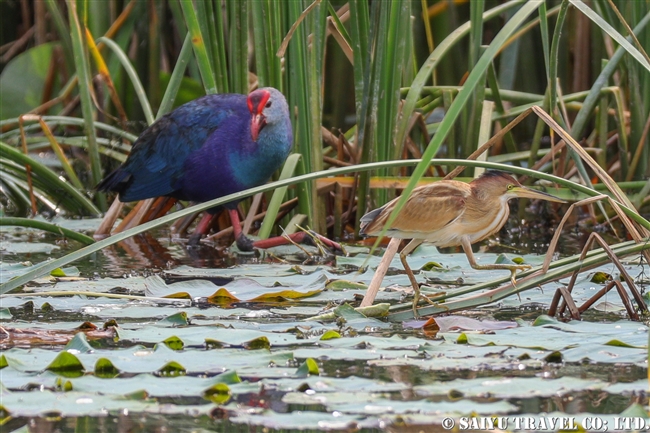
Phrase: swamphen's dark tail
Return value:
(117, 181)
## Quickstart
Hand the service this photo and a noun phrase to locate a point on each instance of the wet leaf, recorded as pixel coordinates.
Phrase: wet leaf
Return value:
(504, 259)
(218, 393)
(258, 343)
(78, 344)
(229, 377)
(174, 343)
(309, 367)
(58, 272)
(172, 369)
(619, 343)
(5, 314)
(213, 344)
(600, 277)
(105, 369)
(432, 266)
(178, 319)
(330, 335)
(345, 285)
(63, 385)
(66, 362)
(554, 357)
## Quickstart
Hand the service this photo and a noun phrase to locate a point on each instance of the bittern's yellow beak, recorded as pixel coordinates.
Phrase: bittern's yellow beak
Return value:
(523, 192)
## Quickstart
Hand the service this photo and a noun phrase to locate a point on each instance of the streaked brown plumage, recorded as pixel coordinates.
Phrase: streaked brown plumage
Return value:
(450, 213)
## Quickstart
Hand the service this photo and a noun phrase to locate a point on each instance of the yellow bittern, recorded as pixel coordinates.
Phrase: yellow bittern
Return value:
(451, 213)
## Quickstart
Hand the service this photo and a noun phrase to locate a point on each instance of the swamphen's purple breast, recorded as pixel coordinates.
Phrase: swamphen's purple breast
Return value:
(210, 147)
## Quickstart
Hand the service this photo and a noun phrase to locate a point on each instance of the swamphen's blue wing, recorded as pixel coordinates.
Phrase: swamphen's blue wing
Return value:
(157, 163)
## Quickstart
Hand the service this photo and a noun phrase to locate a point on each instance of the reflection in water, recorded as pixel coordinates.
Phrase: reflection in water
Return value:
(147, 251)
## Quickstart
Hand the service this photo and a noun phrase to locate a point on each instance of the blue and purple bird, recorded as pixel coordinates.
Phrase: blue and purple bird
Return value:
(208, 148)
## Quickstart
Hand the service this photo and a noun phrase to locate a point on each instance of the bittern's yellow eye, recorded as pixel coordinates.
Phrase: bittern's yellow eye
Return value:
(510, 186)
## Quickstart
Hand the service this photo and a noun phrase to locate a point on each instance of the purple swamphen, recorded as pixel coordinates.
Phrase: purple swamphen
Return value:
(208, 148)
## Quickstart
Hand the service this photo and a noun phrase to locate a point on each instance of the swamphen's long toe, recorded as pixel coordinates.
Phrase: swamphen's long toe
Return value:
(300, 237)
(244, 243)
(194, 239)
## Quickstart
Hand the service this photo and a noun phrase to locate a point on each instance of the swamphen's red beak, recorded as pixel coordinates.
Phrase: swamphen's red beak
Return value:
(257, 123)
(257, 101)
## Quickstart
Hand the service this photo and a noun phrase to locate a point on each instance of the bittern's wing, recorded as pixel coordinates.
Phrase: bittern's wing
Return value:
(428, 209)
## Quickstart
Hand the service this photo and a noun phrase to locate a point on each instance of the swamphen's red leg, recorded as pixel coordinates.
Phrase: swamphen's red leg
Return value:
(202, 228)
(245, 244)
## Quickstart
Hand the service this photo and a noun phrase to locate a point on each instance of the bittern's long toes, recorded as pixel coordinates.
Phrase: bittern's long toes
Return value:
(513, 271)
(417, 296)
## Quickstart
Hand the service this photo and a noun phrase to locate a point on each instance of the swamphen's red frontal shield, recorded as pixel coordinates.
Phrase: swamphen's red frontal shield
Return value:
(208, 148)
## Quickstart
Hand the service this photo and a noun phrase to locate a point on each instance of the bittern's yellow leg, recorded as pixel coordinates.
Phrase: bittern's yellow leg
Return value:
(416, 287)
(467, 247)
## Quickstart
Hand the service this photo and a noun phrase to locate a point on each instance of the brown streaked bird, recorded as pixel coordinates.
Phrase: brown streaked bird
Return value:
(451, 213)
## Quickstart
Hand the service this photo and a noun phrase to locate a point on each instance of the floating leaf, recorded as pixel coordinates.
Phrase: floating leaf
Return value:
(218, 393)
(66, 363)
(554, 357)
(432, 266)
(229, 377)
(211, 343)
(58, 272)
(347, 312)
(258, 343)
(345, 285)
(545, 320)
(79, 344)
(600, 277)
(5, 415)
(140, 395)
(172, 369)
(174, 343)
(63, 385)
(105, 369)
(619, 343)
(178, 319)
(309, 367)
(504, 259)
(222, 296)
(329, 335)
(5, 314)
